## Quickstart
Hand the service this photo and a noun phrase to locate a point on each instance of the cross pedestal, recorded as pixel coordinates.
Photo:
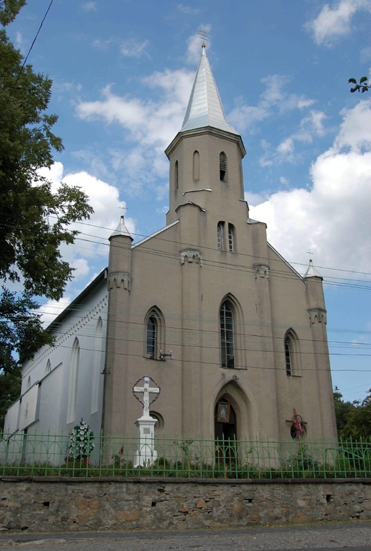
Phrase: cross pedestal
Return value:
(145, 455)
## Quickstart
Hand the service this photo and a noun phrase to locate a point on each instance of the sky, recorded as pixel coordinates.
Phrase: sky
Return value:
(122, 74)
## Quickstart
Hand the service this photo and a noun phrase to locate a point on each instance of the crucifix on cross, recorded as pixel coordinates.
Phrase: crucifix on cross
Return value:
(146, 390)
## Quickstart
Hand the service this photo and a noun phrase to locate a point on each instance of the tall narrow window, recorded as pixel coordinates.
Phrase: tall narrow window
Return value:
(151, 337)
(288, 356)
(97, 366)
(196, 166)
(176, 175)
(72, 389)
(223, 166)
(220, 232)
(227, 334)
(28, 383)
(231, 237)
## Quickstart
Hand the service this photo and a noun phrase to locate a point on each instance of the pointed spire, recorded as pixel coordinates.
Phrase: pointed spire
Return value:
(311, 271)
(121, 230)
(205, 107)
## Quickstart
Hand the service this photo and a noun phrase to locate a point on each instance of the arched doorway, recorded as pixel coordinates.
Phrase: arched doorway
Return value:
(225, 422)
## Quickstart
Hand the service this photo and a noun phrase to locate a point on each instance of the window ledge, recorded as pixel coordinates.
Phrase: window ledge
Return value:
(234, 368)
(155, 359)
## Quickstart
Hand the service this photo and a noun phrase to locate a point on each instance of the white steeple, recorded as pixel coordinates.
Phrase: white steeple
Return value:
(311, 271)
(121, 229)
(205, 107)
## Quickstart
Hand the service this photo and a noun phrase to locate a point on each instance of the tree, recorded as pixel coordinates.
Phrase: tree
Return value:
(34, 220)
(342, 410)
(353, 419)
(362, 86)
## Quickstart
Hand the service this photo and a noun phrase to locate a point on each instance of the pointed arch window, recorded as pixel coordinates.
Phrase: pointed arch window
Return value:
(97, 365)
(231, 237)
(220, 235)
(292, 355)
(154, 333)
(176, 174)
(151, 337)
(72, 388)
(288, 356)
(196, 166)
(223, 166)
(227, 334)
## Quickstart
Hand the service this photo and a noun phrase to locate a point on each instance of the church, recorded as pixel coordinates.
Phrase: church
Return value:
(230, 332)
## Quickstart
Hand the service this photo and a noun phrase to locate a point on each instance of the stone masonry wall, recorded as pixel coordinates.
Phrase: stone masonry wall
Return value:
(74, 504)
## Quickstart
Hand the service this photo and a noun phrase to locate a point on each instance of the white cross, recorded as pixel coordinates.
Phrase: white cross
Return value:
(146, 390)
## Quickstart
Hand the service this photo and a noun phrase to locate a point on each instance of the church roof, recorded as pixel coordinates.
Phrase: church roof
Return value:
(205, 107)
(121, 229)
(311, 271)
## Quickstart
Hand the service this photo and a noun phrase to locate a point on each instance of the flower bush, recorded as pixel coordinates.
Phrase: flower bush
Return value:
(81, 443)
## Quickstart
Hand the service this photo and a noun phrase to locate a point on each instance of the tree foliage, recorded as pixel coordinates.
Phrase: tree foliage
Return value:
(353, 419)
(34, 219)
(362, 86)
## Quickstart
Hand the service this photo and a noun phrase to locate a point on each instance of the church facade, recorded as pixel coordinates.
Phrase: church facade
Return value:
(206, 307)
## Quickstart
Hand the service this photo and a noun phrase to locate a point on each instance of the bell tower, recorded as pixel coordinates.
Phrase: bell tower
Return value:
(205, 156)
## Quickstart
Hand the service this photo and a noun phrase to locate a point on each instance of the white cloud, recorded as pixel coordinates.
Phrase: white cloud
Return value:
(333, 22)
(188, 10)
(133, 48)
(194, 45)
(107, 206)
(103, 44)
(150, 126)
(284, 181)
(274, 99)
(52, 308)
(310, 126)
(332, 216)
(18, 39)
(89, 6)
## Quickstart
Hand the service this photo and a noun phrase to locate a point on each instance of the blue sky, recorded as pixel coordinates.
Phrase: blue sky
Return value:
(122, 73)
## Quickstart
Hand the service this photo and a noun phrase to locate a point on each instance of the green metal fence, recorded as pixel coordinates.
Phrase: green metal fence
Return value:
(56, 455)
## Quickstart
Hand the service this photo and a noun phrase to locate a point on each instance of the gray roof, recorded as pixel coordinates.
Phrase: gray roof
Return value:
(121, 229)
(205, 107)
(311, 271)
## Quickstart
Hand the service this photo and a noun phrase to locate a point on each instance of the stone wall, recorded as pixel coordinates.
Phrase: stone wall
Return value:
(54, 504)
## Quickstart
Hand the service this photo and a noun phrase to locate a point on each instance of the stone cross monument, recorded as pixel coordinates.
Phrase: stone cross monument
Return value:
(145, 455)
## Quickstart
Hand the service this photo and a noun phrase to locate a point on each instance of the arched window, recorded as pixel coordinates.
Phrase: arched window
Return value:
(176, 175)
(227, 334)
(288, 355)
(292, 353)
(48, 367)
(151, 337)
(97, 366)
(220, 235)
(28, 383)
(154, 333)
(223, 166)
(196, 166)
(72, 388)
(231, 239)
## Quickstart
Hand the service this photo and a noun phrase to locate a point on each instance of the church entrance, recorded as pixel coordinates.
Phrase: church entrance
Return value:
(225, 432)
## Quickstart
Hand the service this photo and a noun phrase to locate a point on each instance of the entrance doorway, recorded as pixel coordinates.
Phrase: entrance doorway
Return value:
(225, 431)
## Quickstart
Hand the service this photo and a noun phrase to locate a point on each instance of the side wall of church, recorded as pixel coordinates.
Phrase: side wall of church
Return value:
(63, 383)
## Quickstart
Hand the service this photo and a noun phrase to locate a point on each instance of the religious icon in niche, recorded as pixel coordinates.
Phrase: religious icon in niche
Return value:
(223, 414)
